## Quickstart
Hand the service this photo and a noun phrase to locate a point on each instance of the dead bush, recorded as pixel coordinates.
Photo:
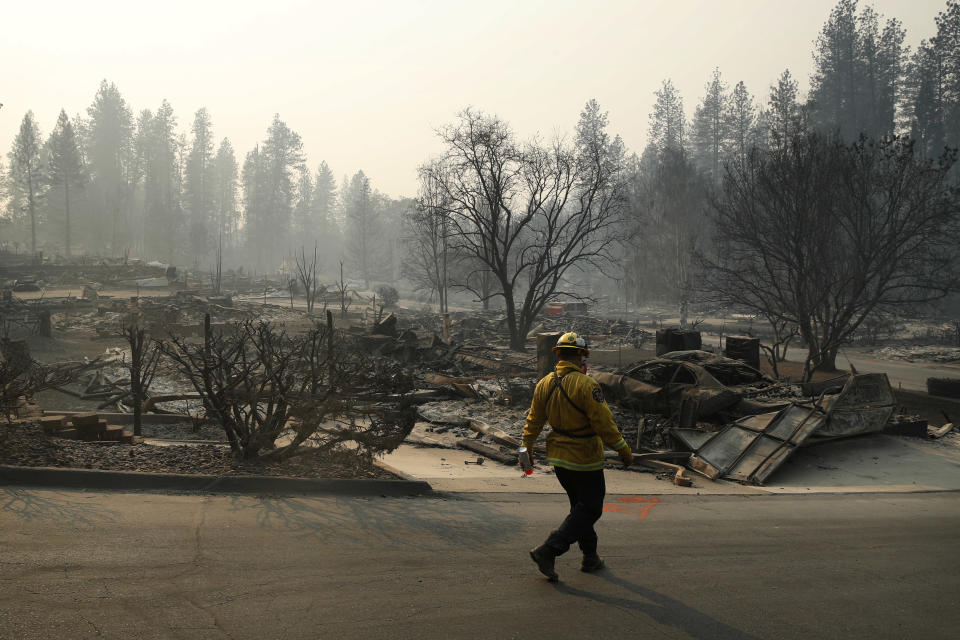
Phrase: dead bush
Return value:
(262, 384)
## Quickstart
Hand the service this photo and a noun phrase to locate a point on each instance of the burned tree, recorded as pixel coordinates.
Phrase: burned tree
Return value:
(307, 275)
(343, 292)
(254, 379)
(144, 357)
(427, 231)
(529, 213)
(821, 234)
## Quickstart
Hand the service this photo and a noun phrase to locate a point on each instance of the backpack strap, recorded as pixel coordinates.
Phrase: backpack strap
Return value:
(558, 384)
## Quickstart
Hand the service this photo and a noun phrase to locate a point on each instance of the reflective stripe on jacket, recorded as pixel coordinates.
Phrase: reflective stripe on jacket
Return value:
(577, 440)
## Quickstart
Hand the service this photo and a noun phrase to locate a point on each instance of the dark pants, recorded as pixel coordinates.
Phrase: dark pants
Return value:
(586, 490)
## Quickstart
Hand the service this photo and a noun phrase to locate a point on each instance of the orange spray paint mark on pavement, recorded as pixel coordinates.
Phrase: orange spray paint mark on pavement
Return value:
(639, 505)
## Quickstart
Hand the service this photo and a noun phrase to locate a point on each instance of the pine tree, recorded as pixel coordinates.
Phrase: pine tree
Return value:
(362, 226)
(667, 120)
(741, 118)
(785, 115)
(947, 45)
(4, 193)
(109, 156)
(324, 219)
(324, 195)
(858, 79)
(142, 177)
(281, 156)
(64, 168)
(162, 174)
(597, 152)
(710, 132)
(26, 174)
(255, 207)
(884, 62)
(225, 174)
(199, 183)
(834, 82)
(926, 101)
(303, 206)
(933, 92)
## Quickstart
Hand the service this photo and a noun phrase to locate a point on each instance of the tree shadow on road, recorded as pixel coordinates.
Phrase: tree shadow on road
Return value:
(662, 608)
(397, 521)
(61, 507)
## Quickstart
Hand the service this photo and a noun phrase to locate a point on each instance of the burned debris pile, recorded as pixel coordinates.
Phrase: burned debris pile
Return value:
(277, 379)
(718, 416)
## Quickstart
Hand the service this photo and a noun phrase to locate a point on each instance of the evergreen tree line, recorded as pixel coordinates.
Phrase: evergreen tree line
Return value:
(865, 83)
(111, 182)
(817, 213)
(116, 183)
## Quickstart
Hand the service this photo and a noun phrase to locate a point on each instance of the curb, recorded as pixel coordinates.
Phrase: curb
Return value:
(142, 481)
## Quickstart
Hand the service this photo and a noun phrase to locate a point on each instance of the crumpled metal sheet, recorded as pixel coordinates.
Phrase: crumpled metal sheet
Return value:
(682, 389)
(631, 392)
(863, 406)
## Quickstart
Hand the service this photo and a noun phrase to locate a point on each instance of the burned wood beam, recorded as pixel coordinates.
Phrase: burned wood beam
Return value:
(484, 450)
(489, 363)
(497, 434)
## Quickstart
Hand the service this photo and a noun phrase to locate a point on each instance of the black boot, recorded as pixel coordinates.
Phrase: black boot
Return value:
(591, 562)
(545, 556)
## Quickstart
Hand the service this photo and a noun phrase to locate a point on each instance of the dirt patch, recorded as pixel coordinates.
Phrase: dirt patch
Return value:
(25, 444)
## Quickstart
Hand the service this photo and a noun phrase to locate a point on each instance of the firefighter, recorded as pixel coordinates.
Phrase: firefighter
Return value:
(582, 424)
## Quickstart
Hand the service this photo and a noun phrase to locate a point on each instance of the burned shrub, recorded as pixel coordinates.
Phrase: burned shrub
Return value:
(271, 391)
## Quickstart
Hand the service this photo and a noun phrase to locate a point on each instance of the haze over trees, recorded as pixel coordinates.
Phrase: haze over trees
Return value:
(867, 90)
(515, 223)
(25, 171)
(65, 172)
(119, 183)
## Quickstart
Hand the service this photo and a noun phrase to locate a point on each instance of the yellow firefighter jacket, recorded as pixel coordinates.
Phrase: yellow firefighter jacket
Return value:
(577, 439)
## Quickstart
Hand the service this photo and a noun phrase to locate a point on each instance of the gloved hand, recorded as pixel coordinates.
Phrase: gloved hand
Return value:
(626, 456)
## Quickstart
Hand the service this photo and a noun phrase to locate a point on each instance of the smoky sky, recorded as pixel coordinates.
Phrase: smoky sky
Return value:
(366, 84)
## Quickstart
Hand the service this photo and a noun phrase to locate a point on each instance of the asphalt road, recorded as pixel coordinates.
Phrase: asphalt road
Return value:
(911, 376)
(903, 374)
(126, 565)
(908, 375)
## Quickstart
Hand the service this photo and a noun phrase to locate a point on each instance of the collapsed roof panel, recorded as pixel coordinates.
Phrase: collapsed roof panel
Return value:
(751, 448)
